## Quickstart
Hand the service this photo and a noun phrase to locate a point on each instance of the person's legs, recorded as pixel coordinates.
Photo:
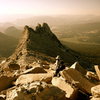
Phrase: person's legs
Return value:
(57, 72)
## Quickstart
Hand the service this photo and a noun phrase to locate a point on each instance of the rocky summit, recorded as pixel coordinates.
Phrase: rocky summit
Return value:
(29, 73)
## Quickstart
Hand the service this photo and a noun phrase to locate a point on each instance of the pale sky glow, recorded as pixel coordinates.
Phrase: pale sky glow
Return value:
(45, 7)
(49, 7)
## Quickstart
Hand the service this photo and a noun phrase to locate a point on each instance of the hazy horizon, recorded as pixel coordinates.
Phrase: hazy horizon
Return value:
(14, 9)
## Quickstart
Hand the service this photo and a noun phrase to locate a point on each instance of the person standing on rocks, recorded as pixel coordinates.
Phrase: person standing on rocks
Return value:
(59, 66)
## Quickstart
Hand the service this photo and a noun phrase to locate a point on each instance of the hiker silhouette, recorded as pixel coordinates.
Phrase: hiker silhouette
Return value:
(59, 66)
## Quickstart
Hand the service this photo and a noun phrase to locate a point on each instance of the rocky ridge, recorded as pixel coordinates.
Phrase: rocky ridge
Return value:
(40, 44)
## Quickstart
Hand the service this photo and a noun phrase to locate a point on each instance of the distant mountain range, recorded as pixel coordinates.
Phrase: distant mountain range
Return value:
(9, 40)
(58, 20)
(84, 32)
(13, 31)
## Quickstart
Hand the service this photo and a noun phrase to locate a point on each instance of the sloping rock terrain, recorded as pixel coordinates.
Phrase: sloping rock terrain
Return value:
(27, 84)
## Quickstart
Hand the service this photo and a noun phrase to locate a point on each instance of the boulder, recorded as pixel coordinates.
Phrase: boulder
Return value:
(97, 69)
(71, 92)
(51, 93)
(28, 78)
(79, 68)
(35, 70)
(76, 78)
(6, 82)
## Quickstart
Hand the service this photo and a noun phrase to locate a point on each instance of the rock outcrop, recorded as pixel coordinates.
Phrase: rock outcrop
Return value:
(71, 92)
(76, 78)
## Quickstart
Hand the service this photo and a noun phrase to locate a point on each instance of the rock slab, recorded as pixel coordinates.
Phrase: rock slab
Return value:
(71, 92)
(75, 77)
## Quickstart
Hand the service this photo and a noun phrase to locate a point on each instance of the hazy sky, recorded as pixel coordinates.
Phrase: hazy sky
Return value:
(49, 7)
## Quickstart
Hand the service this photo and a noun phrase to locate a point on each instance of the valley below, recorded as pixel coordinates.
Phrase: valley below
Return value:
(84, 48)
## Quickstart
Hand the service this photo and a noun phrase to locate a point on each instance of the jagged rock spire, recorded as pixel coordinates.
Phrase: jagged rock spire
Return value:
(46, 27)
